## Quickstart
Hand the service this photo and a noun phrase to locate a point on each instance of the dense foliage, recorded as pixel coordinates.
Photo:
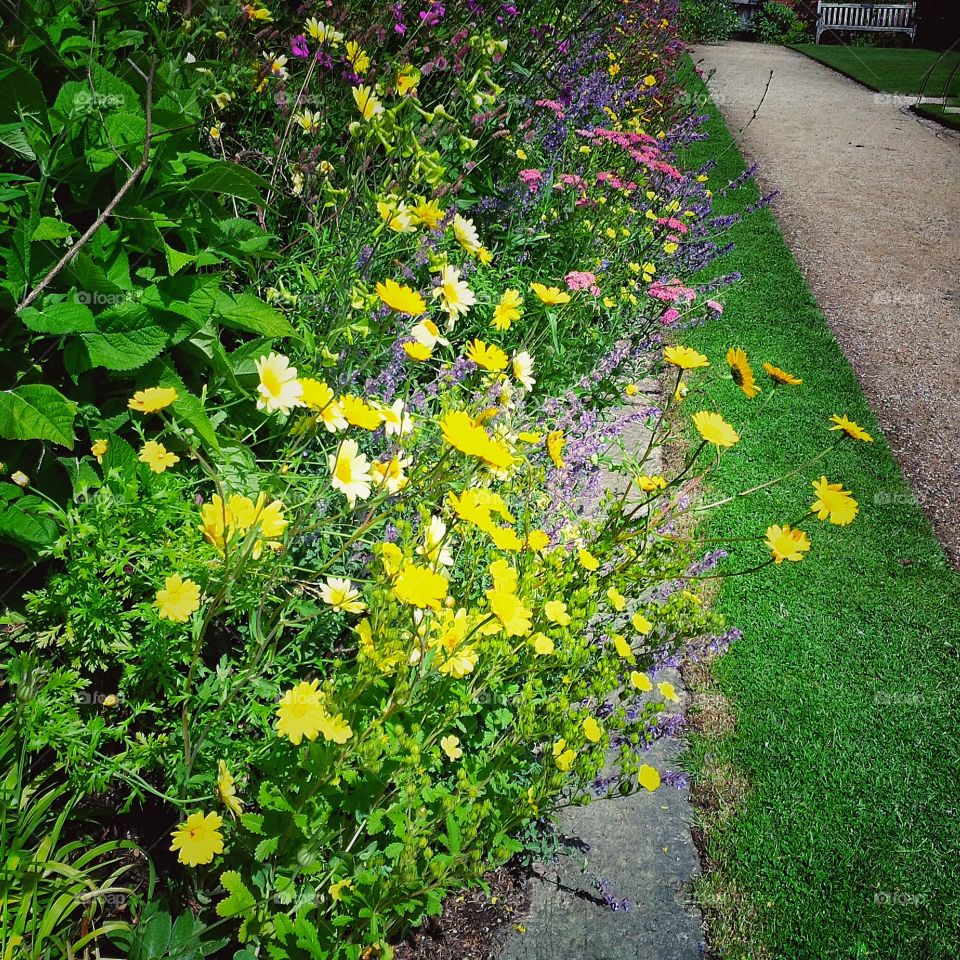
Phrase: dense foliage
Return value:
(705, 21)
(778, 23)
(317, 334)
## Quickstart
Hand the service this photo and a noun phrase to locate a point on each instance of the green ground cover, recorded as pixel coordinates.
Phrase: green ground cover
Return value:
(892, 69)
(844, 683)
(935, 111)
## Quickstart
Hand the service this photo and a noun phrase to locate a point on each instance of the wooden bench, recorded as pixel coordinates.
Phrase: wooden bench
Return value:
(864, 17)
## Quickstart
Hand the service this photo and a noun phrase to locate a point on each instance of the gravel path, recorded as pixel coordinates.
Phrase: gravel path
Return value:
(870, 205)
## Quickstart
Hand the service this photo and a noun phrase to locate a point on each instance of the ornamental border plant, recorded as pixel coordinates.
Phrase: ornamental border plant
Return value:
(319, 331)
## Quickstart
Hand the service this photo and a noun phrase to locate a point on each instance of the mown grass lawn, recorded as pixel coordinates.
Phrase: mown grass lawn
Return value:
(844, 685)
(892, 69)
(935, 111)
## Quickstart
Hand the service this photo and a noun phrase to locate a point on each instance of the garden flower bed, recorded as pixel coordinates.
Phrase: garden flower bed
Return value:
(318, 323)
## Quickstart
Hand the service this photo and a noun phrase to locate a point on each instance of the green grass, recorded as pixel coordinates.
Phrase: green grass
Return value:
(892, 69)
(846, 682)
(934, 111)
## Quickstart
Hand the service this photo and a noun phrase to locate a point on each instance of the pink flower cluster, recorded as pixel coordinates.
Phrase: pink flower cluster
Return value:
(608, 176)
(582, 280)
(557, 108)
(532, 178)
(642, 147)
(672, 291)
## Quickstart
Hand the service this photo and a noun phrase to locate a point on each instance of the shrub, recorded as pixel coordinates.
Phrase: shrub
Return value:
(775, 22)
(706, 21)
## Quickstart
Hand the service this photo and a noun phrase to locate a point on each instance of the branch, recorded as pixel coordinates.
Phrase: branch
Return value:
(135, 175)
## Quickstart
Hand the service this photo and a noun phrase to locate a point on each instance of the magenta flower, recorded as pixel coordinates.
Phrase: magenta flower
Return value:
(298, 46)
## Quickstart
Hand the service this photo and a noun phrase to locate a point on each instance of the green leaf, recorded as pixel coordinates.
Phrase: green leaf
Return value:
(122, 134)
(176, 260)
(22, 94)
(126, 338)
(266, 848)
(230, 179)
(81, 473)
(249, 313)
(20, 527)
(156, 938)
(67, 316)
(14, 137)
(37, 412)
(453, 839)
(120, 458)
(50, 228)
(240, 901)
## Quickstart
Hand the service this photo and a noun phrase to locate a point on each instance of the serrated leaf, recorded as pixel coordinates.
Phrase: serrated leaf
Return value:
(67, 316)
(266, 849)
(453, 838)
(81, 473)
(240, 901)
(126, 338)
(14, 137)
(120, 458)
(23, 528)
(249, 313)
(155, 939)
(176, 260)
(230, 179)
(252, 822)
(37, 412)
(22, 94)
(50, 228)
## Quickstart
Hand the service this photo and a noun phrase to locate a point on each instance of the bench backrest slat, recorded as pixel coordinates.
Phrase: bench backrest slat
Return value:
(832, 15)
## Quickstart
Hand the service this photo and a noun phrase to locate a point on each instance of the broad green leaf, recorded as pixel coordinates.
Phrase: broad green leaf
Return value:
(22, 94)
(67, 316)
(37, 412)
(14, 138)
(81, 473)
(156, 938)
(176, 260)
(120, 458)
(18, 526)
(229, 179)
(50, 228)
(248, 312)
(240, 900)
(127, 337)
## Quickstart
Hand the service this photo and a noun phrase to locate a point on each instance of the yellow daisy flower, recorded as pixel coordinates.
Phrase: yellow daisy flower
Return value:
(781, 376)
(488, 356)
(178, 600)
(279, 389)
(851, 429)
(714, 429)
(833, 502)
(552, 296)
(420, 586)
(685, 358)
(198, 839)
(786, 543)
(152, 399)
(401, 298)
(742, 372)
(227, 791)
